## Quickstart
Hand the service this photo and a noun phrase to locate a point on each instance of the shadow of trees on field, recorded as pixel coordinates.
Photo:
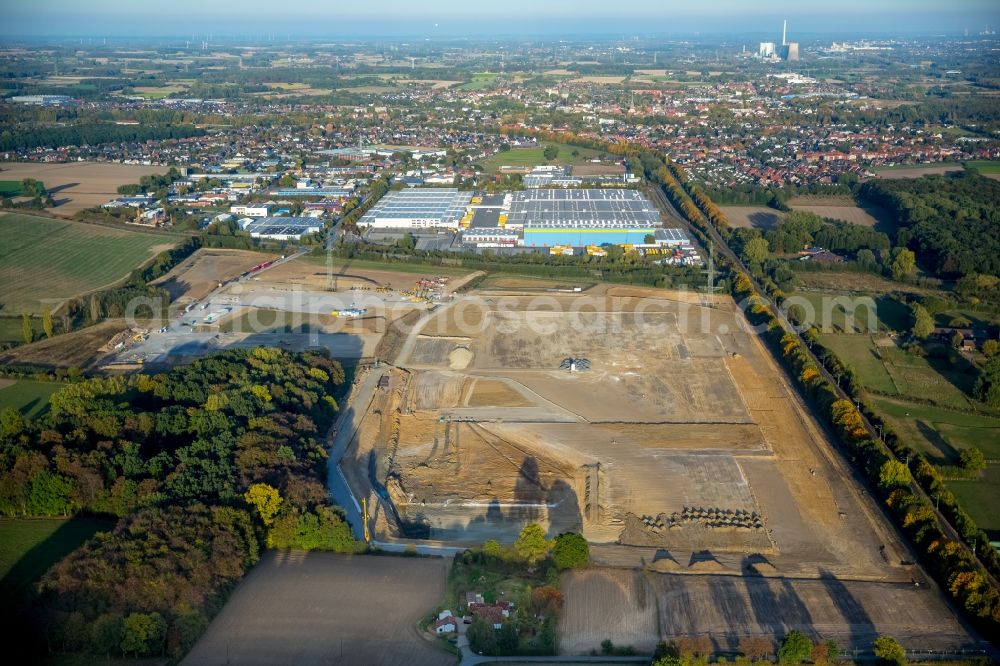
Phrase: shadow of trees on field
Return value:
(778, 610)
(948, 453)
(859, 623)
(532, 501)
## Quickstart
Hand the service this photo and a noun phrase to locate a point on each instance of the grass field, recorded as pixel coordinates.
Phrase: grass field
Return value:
(984, 166)
(530, 157)
(859, 353)
(889, 369)
(11, 331)
(869, 313)
(941, 433)
(28, 547)
(28, 396)
(980, 497)
(43, 261)
(10, 188)
(944, 382)
(831, 314)
(480, 81)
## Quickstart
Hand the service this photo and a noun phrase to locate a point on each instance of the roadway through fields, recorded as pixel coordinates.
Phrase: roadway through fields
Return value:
(355, 405)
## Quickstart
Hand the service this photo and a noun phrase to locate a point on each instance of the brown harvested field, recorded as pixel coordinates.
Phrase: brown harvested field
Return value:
(78, 185)
(80, 349)
(821, 200)
(747, 217)
(435, 84)
(607, 604)
(317, 272)
(198, 275)
(591, 169)
(867, 216)
(842, 282)
(515, 283)
(322, 608)
(917, 171)
(603, 80)
(643, 609)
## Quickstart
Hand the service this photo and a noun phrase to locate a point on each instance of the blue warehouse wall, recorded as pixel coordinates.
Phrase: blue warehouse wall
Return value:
(584, 237)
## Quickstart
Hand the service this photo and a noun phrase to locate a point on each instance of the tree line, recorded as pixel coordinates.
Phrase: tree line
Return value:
(950, 561)
(91, 135)
(202, 466)
(951, 221)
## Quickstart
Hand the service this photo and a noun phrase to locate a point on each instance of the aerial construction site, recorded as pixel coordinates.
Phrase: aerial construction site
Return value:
(639, 417)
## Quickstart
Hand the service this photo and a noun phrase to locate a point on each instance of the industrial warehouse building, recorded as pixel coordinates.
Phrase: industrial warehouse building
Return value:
(583, 217)
(280, 228)
(418, 209)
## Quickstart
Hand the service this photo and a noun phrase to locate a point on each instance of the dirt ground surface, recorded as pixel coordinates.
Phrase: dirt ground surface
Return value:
(682, 435)
(320, 608)
(868, 216)
(917, 171)
(747, 217)
(678, 449)
(316, 272)
(80, 349)
(295, 305)
(78, 185)
(643, 608)
(198, 275)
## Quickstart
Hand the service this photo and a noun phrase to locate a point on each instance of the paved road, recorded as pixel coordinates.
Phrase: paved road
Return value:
(352, 411)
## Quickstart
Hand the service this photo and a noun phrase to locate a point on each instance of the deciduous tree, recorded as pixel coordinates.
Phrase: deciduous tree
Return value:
(570, 551)
(27, 331)
(893, 474)
(265, 500)
(795, 648)
(531, 544)
(889, 651)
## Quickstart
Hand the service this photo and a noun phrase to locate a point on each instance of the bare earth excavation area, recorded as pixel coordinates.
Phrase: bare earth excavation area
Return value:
(656, 425)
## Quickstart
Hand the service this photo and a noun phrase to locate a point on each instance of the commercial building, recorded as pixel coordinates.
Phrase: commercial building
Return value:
(281, 228)
(250, 210)
(583, 217)
(491, 237)
(418, 208)
(314, 191)
(549, 176)
(42, 100)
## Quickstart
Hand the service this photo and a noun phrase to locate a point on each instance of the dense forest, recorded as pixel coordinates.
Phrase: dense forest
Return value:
(202, 466)
(951, 221)
(91, 135)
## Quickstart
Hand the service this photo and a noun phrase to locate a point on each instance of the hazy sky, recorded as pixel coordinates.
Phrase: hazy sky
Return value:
(448, 18)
